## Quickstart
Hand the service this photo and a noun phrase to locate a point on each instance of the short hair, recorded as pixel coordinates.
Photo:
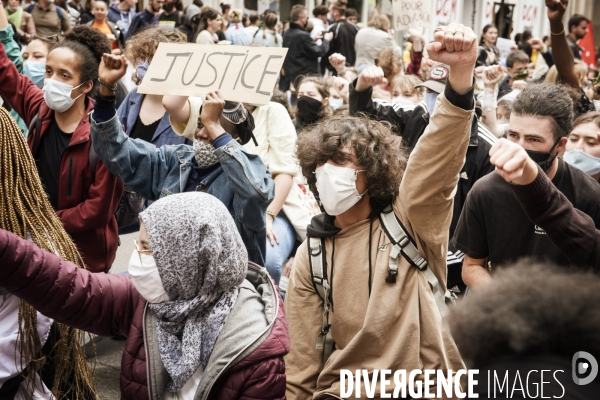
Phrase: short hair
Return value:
(340, 6)
(547, 100)
(253, 18)
(379, 21)
(516, 56)
(577, 19)
(529, 309)
(377, 150)
(235, 16)
(297, 12)
(320, 10)
(351, 12)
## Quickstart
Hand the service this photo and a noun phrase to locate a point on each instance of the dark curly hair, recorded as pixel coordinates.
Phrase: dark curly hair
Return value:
(88, 44)
(377, 150)
(142, 46)
(529, 310)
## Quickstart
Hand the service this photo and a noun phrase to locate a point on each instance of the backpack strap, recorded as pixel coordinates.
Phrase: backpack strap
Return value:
(404, 244)
(318, 271)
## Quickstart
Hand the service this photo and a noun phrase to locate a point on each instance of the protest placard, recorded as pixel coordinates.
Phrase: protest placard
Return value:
(504, 47)
(411, 13)
(244, 74)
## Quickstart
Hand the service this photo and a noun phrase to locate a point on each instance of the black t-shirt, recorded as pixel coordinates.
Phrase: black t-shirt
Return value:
(52, 146)
(144, 132)
(171, 21)
(493, 224)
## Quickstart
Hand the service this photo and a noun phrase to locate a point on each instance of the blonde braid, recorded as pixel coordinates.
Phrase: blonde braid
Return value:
(25, 210)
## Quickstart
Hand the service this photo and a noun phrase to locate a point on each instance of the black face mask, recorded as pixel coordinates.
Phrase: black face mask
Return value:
(308, 110)
(543, 158)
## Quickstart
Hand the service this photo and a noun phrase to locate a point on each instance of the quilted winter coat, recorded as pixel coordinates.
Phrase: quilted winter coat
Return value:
(247, 360)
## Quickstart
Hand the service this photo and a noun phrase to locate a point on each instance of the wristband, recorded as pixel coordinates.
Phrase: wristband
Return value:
(114, 88)
(272, 214)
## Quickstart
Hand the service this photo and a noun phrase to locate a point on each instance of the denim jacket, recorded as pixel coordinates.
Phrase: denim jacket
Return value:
(241, 182)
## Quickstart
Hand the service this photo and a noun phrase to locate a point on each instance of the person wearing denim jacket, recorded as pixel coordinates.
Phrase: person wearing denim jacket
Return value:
(240, 179)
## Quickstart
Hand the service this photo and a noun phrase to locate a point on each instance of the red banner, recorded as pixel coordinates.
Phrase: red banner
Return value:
(588, 55)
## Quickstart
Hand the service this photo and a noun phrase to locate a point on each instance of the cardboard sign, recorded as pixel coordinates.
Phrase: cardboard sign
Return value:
(241, 73)
(504, 47)
(411, 13)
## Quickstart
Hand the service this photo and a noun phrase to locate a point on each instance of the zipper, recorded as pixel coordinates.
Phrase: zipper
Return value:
(70, 181)
(209, 388)
(146, 351)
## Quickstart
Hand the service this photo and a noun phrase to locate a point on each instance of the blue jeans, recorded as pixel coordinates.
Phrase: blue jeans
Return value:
(278, 254)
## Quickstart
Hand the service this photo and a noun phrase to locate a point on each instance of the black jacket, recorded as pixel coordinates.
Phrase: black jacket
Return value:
(344, 33)
(410, 123)
(303, 53)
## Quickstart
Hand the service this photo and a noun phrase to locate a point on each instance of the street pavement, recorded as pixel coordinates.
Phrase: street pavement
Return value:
(109, 351)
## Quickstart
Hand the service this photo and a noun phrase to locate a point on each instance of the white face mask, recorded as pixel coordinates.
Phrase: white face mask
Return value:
(402, 101)
(336, 103)
(58, 95)
(588, 164)
(337, 188)
(146, 279)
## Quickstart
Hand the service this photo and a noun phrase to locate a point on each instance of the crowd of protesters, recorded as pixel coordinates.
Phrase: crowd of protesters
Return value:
(397, 205)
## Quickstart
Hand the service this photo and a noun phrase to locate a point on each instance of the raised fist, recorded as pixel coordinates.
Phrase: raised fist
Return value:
(370, 76)
(512, 163)
(338, 62)
(454, 45)
(112, 68)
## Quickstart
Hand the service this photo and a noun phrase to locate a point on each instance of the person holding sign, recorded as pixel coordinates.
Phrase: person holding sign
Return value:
(216, 163)
(369, 314)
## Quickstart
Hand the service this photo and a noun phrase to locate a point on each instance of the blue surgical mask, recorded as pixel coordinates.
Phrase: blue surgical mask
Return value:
(588, 164)
(430, 98)
(35, 70)
(141, 69)
(336, 103)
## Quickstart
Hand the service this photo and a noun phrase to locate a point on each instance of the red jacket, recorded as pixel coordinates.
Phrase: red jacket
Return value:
(87, 201)
(109, 305)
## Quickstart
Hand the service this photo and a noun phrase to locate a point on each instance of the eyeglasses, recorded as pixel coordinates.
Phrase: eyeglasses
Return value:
(141, 250)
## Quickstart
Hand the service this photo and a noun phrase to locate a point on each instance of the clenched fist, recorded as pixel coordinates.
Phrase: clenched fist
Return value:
(370, 76)
(456, 46)
(513, 163)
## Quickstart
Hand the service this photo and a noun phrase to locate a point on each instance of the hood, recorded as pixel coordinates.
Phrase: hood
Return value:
(190, 12)
(321, 226)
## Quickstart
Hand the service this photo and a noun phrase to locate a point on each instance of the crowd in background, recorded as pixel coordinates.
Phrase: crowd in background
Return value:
(484, 162)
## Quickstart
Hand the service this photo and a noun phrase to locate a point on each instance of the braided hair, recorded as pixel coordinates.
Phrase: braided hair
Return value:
(26, 211)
